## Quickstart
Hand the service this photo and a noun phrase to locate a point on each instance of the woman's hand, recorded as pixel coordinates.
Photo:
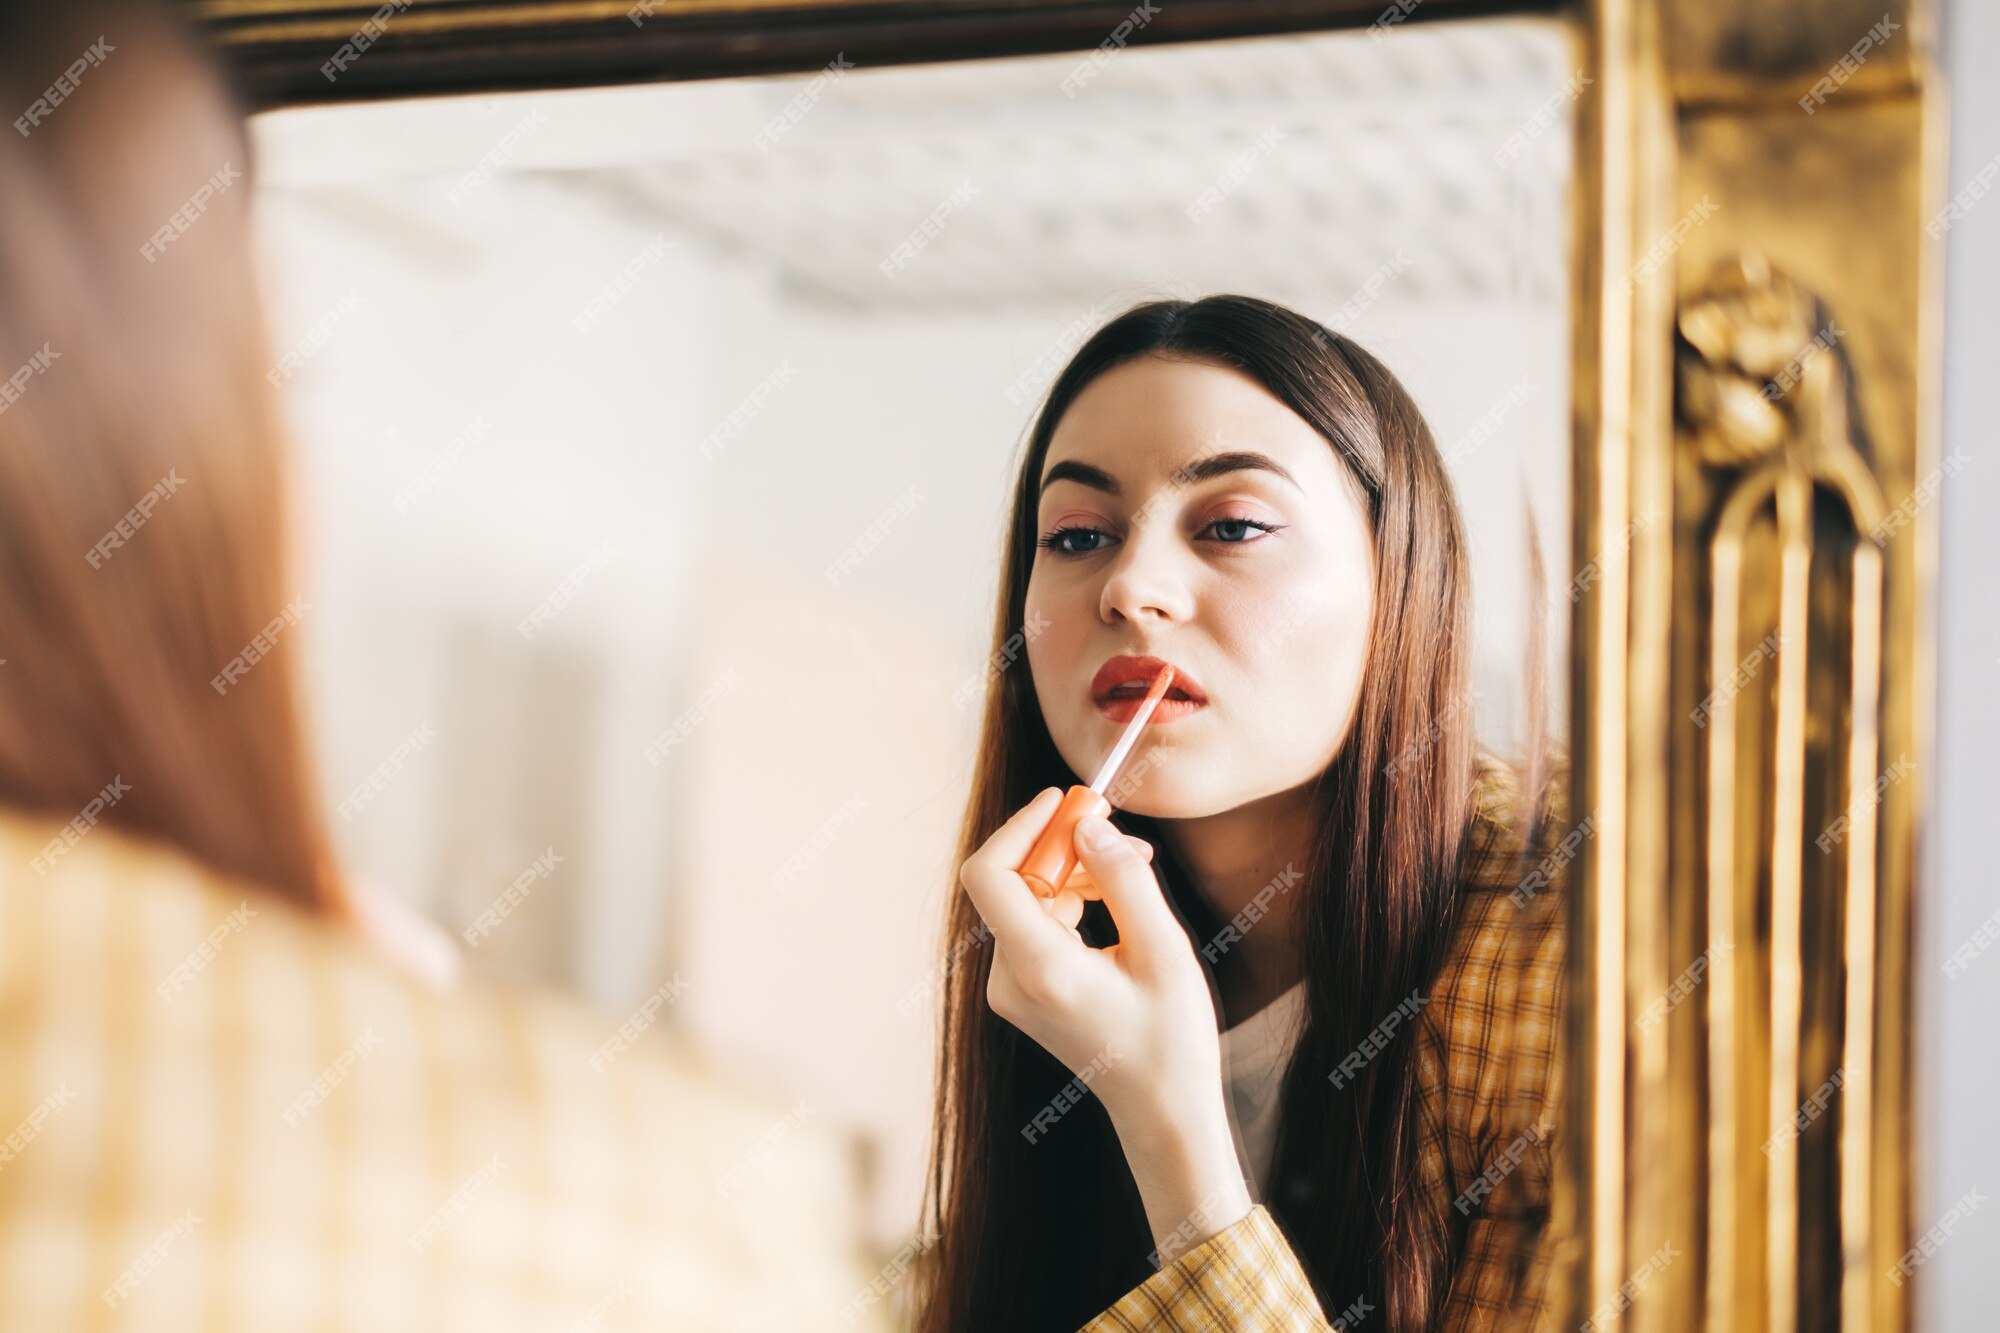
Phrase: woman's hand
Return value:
(1135, 1020)
(1137, 1016)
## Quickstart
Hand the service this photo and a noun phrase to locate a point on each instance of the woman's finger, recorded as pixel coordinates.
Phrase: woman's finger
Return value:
(991, 878)
(1127, 884)
(1080, 882)
(1010, 844)
(1066, 907)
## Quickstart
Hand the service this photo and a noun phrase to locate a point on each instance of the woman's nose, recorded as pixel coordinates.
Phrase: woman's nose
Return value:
(1142, 585)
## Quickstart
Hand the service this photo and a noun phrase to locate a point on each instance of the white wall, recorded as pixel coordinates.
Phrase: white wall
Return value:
(1959, 1088)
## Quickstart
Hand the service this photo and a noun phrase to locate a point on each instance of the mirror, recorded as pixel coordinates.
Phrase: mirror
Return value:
(659, 444)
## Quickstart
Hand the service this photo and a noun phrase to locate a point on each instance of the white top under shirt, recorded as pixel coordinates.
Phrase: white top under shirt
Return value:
(1255, 1054)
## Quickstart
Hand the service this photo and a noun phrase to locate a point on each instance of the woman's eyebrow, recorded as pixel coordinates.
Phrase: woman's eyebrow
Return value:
(1201, 469)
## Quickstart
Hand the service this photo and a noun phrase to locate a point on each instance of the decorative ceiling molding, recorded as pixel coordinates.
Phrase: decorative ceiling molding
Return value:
(1313, 164)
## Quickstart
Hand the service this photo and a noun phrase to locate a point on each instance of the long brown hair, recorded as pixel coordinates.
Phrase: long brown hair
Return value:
(1045, 1236)
(145, 616)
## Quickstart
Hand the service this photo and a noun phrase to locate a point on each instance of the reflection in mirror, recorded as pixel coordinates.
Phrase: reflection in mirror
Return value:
(664, 450)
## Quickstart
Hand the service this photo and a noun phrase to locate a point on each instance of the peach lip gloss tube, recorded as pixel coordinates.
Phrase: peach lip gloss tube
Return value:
(1054, 855)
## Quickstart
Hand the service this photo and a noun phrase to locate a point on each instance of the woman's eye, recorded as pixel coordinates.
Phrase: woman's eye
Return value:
(1077, 540)
(1233, 531)
(1058, 541)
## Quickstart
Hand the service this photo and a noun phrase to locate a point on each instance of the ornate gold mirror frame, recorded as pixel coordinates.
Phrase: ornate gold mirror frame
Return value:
(1756, 361)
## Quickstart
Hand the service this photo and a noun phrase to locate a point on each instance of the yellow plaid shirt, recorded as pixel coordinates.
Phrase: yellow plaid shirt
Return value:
(219, 1113)
(1489, 1083)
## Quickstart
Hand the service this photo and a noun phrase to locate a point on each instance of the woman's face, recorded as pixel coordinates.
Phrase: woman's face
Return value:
(1253, 578)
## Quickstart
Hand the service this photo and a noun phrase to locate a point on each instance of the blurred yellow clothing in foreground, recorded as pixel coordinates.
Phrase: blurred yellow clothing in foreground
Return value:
(219, 1113)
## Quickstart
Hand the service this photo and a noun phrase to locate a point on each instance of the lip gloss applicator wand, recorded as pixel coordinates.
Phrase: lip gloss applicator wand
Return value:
(1054, 855)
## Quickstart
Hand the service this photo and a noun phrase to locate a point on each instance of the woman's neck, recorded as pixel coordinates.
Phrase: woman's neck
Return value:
(1248, 865)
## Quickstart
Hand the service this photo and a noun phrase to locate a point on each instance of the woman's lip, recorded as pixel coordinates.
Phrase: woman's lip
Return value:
(1125, 669)
(1121, 709)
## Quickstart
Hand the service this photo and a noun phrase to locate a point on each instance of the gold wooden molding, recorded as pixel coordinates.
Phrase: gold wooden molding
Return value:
(433, 47)
(1764, 397)
(1756, 360)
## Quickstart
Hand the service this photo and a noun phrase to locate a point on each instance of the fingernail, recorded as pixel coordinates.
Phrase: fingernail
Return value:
(1099, 833)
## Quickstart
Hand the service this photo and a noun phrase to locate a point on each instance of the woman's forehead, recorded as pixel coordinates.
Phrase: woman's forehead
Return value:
(1143, 421)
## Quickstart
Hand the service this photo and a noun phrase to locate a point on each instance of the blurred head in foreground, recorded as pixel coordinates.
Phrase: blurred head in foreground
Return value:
(147, 611)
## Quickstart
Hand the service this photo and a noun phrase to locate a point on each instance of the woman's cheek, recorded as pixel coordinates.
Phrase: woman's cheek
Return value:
(1051, 657)
(1335, 654)
(1272, 627)
(1306, 648)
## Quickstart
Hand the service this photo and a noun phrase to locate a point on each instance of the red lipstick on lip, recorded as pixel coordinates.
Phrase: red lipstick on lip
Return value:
(1122, 704)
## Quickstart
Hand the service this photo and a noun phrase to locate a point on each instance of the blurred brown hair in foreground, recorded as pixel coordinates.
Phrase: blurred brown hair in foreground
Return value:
(143, 580)
(216, 1110)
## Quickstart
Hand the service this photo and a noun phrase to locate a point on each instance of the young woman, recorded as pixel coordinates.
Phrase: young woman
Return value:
(1313, 855)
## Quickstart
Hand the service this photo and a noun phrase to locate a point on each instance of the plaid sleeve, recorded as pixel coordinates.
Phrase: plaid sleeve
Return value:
(1243, 1277)
(1502, 1088)
(217, 1113)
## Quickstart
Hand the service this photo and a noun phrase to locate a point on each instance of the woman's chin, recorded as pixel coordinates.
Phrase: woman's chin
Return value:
(1161, 794)
(1157, 777)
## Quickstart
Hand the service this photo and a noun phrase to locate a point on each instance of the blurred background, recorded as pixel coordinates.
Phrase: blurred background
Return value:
(623, 410)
